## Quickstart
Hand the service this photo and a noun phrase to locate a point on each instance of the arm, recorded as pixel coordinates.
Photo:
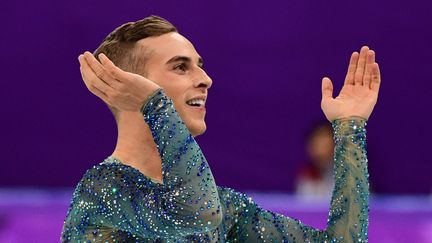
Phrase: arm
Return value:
(186, 173)
(349, 211)
(348, 219)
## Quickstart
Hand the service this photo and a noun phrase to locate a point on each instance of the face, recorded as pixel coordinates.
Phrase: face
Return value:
(320, 148)
(174, 64)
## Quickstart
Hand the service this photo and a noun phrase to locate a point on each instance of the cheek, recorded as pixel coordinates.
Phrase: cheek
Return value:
(180, 107)
(174, 86)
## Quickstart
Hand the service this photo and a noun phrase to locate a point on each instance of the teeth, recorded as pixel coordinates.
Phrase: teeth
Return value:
(196, 102)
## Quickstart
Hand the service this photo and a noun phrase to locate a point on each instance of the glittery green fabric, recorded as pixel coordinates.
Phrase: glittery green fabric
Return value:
(114, 202)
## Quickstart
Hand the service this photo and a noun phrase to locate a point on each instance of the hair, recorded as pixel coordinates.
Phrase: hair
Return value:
(120, 46)
(317, 127)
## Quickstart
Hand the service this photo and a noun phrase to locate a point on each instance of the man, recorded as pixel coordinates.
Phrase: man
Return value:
(157, 185)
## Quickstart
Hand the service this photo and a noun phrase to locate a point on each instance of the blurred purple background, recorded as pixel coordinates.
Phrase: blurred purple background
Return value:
(266, 60)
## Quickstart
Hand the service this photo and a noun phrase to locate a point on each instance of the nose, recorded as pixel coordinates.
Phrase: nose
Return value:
(203, 80)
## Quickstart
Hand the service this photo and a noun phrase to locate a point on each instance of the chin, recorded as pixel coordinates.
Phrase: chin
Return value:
(198, 129)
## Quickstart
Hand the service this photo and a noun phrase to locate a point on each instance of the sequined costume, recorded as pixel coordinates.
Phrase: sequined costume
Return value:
(115, 202)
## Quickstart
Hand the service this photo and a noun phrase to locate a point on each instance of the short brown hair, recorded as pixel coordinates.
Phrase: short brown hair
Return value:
(120, 45)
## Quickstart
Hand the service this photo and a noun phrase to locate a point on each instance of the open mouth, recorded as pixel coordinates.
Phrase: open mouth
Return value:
(198, 103)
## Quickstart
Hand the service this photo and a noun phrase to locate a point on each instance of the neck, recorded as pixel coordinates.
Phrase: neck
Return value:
(136, 147)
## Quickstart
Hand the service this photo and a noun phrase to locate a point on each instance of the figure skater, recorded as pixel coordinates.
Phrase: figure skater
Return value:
(157, 186)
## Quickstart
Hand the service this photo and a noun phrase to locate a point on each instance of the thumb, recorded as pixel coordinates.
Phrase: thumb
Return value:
(327, 88)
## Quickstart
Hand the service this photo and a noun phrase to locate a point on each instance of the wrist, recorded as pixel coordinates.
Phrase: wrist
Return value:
(349, 126)
(150, 97)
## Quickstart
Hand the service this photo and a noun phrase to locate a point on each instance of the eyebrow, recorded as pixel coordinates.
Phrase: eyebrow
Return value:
(184, 59)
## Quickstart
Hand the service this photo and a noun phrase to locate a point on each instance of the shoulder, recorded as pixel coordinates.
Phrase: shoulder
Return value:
(102, 173)
(107, 176)
(107, 171)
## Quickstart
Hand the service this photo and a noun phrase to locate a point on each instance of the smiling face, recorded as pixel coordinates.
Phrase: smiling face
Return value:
(173, 63)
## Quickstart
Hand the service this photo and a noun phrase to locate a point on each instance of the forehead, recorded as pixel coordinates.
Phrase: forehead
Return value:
(166, 46)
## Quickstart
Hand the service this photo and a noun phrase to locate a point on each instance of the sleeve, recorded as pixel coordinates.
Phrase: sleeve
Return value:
(348, 217)
(113, 197)
(192, 200)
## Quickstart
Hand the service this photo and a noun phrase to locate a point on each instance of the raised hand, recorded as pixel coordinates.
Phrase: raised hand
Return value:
(360, 91)
(123, 90)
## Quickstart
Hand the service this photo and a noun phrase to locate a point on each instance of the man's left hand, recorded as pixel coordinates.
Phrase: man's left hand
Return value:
(360, 91)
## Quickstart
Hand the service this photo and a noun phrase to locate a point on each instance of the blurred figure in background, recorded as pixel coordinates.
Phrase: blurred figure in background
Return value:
(315, 177)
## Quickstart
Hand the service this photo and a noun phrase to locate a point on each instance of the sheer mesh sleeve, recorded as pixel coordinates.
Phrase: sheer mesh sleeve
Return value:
(348, 217)
(187, 177)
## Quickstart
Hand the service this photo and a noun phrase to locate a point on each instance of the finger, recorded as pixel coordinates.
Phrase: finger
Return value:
(80, 60)
(92, 89)
(98, 69)
(349, 79)
(370, 60)
(376, 77)
(93, 83)
(358, 76)
(83, 73)
(326, 88)
(113, 70)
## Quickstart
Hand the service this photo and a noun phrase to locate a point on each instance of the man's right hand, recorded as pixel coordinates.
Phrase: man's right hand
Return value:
(123, 90)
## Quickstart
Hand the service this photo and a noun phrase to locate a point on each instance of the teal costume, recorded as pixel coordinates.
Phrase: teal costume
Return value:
(115, 202)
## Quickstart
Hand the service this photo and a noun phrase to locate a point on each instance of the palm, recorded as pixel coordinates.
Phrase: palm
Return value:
(360, 91)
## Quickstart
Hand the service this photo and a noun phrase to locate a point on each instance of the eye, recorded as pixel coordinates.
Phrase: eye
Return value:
(182, 67)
